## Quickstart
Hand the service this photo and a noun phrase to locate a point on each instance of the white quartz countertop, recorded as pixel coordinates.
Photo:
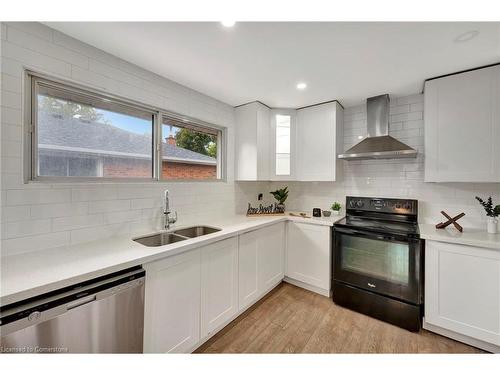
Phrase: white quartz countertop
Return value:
(470, 236)
(30, 274)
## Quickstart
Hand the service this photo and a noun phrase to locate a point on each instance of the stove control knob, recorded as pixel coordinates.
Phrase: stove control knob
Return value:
(397, 206)
(352, 204)
(359, 203)
(407, 206)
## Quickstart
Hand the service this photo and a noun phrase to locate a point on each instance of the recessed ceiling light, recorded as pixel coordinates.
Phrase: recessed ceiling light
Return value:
(465, 37)
(228, 23)
(301, 85)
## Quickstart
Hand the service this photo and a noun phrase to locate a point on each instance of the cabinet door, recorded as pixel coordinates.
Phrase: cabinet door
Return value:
(462, 127)
(172, 304)
(248, 269)
(219, 285)
(309, 254)
(462, 290)
(271, 253)
(318, 135)
(252, 142)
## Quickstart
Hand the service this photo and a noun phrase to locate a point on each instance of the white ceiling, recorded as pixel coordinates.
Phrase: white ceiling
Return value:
(264, 61)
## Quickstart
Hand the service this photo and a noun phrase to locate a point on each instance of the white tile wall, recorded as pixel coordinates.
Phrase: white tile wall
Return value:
(37, 216)
(394, 178)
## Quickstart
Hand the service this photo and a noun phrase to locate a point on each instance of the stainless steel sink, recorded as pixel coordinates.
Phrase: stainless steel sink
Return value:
(198, 231)
(165, 238)
(160, 239)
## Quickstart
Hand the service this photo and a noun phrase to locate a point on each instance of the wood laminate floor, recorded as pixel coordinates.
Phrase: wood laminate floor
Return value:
(293, 320)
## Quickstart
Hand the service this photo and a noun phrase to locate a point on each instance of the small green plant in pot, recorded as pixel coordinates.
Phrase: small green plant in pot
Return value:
(492, 212)
(336, 207)
(280, 195)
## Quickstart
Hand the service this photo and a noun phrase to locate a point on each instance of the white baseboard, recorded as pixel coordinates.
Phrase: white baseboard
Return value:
(311, 288)
(492, 348)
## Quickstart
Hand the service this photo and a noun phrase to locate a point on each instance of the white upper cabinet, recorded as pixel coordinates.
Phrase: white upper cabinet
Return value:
(319, 140)
(252, 147)
(462, 127)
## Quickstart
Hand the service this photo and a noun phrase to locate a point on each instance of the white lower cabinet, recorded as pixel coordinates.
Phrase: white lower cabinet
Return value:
(249, 291)
(271, 256)
(261, 262)
(462, 292)
(219, 285)
(191, 296)
(309, 256)
(172, 304)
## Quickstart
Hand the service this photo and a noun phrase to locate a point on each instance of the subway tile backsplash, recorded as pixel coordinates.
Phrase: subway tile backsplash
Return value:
(38, 216)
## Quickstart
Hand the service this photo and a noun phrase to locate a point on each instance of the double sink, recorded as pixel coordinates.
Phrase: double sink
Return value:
(165, 238)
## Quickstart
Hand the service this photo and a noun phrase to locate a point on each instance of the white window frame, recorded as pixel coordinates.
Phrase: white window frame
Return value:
(30, 161)
(199, 125)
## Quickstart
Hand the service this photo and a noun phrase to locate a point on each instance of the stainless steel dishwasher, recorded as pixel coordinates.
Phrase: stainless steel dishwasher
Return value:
(103, 315)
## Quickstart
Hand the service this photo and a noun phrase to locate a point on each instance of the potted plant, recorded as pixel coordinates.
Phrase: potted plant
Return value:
(280, 195)
(492, 212)
(336, 208)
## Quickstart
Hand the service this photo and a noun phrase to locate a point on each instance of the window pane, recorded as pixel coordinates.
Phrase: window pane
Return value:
(188, 152)
(283, 145)
(282, 164)
(76, 139)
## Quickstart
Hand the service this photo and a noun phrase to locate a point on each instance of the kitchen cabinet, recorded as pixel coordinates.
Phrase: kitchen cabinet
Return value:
(172, 304)
(252, 142)
(462, 293)
(308, 257)
(271, 256)
(219, 285)
(462, 127)
(261, 262)
(191, 296)
(249, 291)
(319, 140)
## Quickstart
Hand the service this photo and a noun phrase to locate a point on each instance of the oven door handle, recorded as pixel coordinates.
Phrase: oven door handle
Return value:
(374, 236)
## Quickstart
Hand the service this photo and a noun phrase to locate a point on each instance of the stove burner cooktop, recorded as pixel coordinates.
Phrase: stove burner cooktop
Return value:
(381, 215)
(379, 226)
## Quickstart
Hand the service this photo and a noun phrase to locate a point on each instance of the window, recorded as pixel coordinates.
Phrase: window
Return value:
(283, 139)
(189, 151)
(77, 133)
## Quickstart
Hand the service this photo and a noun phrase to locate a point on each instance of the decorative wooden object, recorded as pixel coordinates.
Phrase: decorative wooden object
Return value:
(271, 210)
(300, 214)
(451, 220)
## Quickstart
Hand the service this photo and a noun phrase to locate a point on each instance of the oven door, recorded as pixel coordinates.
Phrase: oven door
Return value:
(386, 264)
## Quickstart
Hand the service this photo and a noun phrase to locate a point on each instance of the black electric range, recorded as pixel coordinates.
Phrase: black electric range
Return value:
(378, 260)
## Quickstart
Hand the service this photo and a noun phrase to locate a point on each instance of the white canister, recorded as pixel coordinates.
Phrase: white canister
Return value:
(492, 225)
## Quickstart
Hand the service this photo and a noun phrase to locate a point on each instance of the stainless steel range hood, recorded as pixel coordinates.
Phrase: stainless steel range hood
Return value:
(379, 144)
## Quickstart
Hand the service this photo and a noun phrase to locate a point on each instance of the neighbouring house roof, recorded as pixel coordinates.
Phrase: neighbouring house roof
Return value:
(71, 134)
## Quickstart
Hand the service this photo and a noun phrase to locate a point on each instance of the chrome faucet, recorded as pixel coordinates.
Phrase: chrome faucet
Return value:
(166, 213)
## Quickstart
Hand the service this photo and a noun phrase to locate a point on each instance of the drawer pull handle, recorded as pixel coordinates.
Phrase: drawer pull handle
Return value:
(372, 285)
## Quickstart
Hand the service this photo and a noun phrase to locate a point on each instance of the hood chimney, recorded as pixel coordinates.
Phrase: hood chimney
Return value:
(171, 140)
